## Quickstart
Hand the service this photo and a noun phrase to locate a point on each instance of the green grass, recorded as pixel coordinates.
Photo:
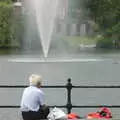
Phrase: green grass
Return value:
(76, 40)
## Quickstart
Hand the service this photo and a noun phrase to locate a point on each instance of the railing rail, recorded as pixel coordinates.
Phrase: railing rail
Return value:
(61, 86)
(69, 87)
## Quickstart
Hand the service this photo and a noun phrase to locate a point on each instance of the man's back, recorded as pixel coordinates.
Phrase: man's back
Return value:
(33, 104)
(32, 98)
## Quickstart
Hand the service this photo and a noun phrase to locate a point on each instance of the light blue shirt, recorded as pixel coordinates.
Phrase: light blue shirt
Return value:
(32, 98)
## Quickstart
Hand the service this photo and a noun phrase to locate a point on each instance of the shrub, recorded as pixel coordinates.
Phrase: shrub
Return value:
(104, 43)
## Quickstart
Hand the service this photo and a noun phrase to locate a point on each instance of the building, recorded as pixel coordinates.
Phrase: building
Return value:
(62, 9)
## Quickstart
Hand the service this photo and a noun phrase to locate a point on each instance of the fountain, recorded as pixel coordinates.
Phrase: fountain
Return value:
(45, 13)
(40, 18)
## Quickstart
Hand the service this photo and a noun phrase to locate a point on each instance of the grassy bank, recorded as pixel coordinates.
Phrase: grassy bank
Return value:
(76, 40)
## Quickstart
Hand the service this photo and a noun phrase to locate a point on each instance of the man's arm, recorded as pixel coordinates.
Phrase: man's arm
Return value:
(41, 99)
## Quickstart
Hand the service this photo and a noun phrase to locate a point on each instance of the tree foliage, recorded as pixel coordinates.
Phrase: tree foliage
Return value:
(11, 24)
(6, 11)
(106, 13)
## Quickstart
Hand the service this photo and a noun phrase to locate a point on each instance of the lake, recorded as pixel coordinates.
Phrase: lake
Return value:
(84, 69)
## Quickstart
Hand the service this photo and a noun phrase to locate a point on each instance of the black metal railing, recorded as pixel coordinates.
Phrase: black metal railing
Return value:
(69, 87)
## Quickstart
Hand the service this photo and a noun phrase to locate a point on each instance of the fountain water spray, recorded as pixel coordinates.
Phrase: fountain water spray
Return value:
(46, 11)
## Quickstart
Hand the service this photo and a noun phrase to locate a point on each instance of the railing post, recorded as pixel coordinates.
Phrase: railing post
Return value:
(69, 88)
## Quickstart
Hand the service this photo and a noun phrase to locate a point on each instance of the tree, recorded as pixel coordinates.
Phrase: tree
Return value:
(106, 13)
(11, 24)
(6, 11)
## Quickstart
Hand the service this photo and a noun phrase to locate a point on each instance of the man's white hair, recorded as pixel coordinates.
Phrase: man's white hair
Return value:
(34, 79)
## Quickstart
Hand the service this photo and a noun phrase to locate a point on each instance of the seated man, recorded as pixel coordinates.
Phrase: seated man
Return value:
(32, 103)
